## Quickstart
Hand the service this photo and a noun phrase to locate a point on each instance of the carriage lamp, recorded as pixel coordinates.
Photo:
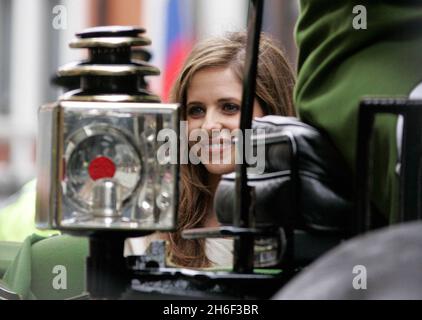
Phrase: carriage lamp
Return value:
(97, 146)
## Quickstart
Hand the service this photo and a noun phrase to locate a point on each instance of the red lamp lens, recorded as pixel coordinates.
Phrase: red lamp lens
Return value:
(101, 167)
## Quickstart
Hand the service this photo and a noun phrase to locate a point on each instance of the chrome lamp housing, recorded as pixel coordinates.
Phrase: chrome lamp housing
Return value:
(98, 166)
(98, 147)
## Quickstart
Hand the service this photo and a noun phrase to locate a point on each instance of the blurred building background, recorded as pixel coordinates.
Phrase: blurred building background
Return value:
(34, 37)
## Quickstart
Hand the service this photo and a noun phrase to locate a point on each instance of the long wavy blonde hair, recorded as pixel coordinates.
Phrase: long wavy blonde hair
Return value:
(274, 92)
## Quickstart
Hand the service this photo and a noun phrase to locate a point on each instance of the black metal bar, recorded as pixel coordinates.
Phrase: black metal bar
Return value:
(227, 231)
(107, 275)
(366, 123)
(410, 190)
(410, 171)
(289, 217)
(243, 253)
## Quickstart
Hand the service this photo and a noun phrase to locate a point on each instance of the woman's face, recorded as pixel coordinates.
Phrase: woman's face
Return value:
(213, 109)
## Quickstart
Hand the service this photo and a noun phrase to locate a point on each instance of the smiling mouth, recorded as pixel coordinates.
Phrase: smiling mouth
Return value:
(218, 145)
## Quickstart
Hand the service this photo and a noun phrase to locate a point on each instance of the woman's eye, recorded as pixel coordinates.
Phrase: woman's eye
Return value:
(231, 107)
(195, 111)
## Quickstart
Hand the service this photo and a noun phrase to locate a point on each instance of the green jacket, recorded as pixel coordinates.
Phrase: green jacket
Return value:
(49, 268)
(338, 65)
(17, 218)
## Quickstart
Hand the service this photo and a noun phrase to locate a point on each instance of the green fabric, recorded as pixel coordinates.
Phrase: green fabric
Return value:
(32, 275)
(8, 252)
(338, 65)
(17, 219)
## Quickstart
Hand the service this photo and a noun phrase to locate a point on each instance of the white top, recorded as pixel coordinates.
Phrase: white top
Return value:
(136, 246)
(218, 250)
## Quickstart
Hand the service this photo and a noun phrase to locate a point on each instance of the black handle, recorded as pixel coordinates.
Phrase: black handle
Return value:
(243, 253)
(410, 191)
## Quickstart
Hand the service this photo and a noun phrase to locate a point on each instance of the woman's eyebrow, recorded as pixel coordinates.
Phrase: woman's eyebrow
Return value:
(228, 99)
(193, 103)
(221, 100)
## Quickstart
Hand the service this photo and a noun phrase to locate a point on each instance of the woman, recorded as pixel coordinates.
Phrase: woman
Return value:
(209, 88)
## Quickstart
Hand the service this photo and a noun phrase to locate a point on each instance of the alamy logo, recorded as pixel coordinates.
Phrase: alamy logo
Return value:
(215, 147)
(60, 18)
(360, 280)
(360, 21)
(60, 280)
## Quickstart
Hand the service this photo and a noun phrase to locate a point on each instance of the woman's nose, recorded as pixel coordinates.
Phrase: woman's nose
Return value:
(211, 122)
